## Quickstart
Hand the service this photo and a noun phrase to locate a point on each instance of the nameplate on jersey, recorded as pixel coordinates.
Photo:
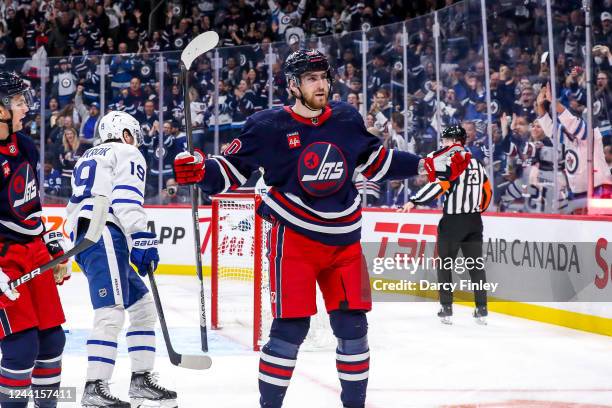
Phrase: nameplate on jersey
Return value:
(322, 169)
(293, 139)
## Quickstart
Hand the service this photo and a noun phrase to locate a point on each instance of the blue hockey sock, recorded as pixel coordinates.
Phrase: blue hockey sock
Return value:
(48, 366)
(19, 350)
(278, 358)
(352, 355)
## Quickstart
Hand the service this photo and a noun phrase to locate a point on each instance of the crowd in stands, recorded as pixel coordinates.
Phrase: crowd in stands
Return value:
(79, 38)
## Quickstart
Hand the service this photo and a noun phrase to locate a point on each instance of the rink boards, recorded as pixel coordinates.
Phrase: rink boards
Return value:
(574, 266)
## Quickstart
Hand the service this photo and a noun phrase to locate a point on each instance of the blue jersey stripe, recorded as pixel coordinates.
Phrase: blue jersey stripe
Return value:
(129, 188)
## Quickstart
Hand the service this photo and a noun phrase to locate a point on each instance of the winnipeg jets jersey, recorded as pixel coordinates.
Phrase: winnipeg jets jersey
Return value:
(309, 166)
(20, 207)
(573, 135)
(113, 170)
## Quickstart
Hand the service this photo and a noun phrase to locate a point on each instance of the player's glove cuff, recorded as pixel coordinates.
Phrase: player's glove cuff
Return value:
(189, 168)
(56, 244)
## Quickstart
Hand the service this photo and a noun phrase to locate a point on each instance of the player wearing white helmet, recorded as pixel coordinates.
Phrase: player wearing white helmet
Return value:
(116, 169)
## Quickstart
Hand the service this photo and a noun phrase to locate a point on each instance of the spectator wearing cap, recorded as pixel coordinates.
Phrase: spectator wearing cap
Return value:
(89, 117)
(604, 37)
(380, 74)
(64, 83)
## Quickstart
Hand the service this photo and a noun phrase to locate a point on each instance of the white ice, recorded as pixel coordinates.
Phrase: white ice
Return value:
(416, 361)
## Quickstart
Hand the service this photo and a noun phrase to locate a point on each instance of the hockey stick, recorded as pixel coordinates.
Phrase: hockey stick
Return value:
(96, 225)
(198, 46)
(193, 362)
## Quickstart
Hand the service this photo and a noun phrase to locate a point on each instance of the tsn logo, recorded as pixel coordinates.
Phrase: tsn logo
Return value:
(402, 236)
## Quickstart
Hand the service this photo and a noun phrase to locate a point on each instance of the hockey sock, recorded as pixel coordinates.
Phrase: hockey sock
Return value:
(278, 359)
(48, 366)
(19, 351)
(102, 343)
(352, 355)
(140, 336)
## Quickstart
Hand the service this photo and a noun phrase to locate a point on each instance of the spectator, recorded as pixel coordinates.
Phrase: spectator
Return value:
(64, 83)
(72, 151)
(89, 117)
(173, 194)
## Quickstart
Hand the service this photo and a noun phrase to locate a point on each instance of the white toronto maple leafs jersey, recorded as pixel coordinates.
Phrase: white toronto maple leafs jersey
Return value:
(114, 170)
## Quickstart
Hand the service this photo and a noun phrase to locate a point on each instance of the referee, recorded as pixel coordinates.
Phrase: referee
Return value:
(461, 224)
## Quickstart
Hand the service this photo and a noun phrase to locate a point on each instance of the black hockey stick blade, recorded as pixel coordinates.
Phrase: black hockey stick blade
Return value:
(93, 234)
(192, 362)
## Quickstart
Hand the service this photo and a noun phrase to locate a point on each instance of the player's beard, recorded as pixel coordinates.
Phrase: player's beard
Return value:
(315, 101)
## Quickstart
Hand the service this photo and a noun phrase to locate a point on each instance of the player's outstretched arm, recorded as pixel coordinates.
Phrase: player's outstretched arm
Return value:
(224, 172)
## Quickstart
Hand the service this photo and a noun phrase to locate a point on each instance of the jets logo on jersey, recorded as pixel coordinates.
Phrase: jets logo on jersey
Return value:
(294, 140)
(322, 169)
(571, 161)
(23, 191)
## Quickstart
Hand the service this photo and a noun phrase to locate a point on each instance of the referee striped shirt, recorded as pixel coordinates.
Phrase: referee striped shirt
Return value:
(468, 193)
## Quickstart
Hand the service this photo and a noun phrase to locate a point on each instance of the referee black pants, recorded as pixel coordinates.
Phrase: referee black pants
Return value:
(460, 231)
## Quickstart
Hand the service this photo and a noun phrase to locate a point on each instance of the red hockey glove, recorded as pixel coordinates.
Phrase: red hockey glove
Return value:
(188, 168)
(56, 245)
(458, 163)
(440, 164)
(7, 295)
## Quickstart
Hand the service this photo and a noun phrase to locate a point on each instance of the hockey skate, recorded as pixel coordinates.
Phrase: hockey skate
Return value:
(146, 392)
(445, 314)
(480, 314)
(97, 394)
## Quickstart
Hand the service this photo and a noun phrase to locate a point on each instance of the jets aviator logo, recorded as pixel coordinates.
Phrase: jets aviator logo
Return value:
(322, 169)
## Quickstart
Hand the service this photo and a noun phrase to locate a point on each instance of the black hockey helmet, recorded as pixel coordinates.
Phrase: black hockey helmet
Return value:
(302, 61)
(454, 132)
(12, 85)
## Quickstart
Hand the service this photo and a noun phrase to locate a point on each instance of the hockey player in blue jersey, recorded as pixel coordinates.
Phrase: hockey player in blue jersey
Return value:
(309, 152)
(31, 335)
(116, 169)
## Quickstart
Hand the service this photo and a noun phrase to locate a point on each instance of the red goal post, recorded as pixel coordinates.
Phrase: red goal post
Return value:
(237, 259)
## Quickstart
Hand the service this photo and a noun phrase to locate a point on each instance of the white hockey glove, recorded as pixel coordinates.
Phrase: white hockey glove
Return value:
(56, 245)
(8, 296)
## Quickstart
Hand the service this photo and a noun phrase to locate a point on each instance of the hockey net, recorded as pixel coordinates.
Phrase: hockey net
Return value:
(240, 290)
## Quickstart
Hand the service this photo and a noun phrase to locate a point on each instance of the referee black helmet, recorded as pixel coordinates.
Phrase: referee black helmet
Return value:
(456, 133)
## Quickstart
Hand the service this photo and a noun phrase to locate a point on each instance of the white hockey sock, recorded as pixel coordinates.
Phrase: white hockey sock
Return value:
(140, 336)
(102, 343)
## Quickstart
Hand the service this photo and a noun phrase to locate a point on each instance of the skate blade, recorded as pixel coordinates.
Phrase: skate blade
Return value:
(145, 403)
(481, 321)
(446, 320)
